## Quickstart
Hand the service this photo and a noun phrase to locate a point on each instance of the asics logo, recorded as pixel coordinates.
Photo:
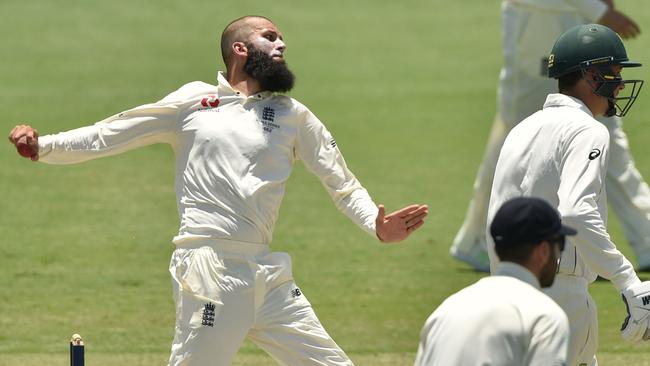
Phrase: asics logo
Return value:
(594, 154)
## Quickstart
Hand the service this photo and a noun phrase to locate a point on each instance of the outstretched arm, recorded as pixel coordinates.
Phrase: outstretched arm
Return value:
(144, 125)
(398, 225)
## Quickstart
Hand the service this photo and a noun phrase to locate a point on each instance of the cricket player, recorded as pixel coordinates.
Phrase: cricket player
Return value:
(505, 319)
(529, 29)
(560, 154)
(235, 144)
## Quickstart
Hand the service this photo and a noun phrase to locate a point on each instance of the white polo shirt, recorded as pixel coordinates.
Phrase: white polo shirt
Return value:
(234, 155)
(501, 320)
(560, 154)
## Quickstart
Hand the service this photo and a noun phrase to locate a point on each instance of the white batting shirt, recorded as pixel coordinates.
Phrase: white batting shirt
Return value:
(234, 155)
(501, 320)
(560, 154)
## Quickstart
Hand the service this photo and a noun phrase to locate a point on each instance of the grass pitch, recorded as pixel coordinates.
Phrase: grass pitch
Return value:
(408, 90)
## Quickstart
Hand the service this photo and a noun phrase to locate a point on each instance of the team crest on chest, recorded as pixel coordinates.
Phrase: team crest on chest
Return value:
(268, 119)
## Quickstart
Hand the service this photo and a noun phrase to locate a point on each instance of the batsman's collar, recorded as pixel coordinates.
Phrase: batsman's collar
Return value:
(562, 100)
(526, 220)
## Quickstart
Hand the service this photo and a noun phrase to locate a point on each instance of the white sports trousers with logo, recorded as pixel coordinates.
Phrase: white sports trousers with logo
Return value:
(234, 155)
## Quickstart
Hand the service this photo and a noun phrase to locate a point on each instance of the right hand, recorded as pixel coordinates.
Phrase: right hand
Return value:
(25, 138)
(620, 23)
(636, 325)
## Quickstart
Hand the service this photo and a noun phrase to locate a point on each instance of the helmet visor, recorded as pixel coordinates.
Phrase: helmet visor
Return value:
(620, 93)
(627, 96)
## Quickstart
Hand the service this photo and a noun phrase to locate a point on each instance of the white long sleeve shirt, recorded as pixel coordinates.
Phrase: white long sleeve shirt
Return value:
(501, 320)
(560, 154)
(234, 155)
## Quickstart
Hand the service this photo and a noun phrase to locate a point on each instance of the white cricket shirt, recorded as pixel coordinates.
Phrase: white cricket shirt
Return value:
(501, 320)
(560, 154)
(234, 155)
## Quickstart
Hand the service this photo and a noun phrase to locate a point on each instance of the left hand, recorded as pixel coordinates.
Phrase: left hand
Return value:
(398, 225)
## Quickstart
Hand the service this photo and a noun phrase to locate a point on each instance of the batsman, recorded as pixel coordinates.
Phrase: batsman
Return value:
(560, 154)
(235, 144)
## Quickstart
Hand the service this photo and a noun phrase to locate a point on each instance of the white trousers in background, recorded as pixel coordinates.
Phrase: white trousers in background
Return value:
(226, 291)
(570, 292)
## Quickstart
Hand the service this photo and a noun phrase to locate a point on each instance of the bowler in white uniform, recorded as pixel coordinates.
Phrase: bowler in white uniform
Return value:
(560, 154)
(235, 145)
(505, 319)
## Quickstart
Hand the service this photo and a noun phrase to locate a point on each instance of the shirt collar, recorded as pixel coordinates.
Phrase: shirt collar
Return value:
(517, 271)
(225, 90)
(563, 100)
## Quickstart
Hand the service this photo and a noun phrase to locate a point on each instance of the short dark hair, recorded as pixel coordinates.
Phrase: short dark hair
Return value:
(515, 253)
(568, 81)
(236, 31)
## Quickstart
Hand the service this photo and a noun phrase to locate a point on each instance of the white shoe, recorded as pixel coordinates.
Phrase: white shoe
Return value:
(477, 257)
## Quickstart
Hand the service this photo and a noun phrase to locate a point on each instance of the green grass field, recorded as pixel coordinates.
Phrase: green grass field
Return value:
(406, 87)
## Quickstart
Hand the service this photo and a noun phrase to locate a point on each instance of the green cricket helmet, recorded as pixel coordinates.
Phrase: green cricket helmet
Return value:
(594, 49)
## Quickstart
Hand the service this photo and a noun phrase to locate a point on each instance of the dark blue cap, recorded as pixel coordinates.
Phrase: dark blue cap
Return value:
(526, 220)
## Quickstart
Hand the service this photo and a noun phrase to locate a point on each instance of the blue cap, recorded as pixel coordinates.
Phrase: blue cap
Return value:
(524, 220)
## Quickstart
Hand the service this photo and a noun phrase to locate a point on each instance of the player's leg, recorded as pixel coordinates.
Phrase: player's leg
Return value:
(469, 243)
(286, 326)
(628, 193)
(571, 294)
(523, 87)
(214, 307)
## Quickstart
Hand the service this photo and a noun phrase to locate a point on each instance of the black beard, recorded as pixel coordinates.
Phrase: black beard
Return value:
(547, 276)
(273, 76)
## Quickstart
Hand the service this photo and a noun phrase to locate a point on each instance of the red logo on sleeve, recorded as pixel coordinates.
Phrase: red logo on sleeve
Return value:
(211, 101)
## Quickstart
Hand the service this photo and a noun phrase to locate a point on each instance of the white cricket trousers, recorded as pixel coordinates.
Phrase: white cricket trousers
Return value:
(225, 291)
(570, 292)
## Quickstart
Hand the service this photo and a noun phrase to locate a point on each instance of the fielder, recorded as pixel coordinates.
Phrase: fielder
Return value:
(235, 144)
(560, 154)
(505, 319)
(529, 29)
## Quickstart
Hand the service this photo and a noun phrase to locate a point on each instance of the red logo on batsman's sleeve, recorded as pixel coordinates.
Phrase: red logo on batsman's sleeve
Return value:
(210, 101)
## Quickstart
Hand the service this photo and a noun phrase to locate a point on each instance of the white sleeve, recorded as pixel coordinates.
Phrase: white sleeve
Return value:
(591, 10)
(316, 147)
(140, 126)
(581, 191)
